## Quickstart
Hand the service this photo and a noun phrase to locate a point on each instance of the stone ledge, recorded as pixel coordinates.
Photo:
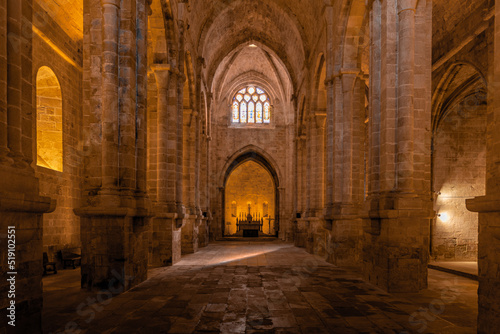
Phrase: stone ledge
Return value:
(483, 204)
(111, 211)
(21, 202)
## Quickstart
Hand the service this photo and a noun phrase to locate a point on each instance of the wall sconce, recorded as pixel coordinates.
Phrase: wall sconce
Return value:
(444, 217)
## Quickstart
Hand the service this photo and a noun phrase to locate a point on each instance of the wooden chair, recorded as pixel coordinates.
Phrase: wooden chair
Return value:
(48, 266)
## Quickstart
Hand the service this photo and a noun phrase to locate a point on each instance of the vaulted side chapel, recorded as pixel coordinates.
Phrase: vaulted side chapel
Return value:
(250, 166)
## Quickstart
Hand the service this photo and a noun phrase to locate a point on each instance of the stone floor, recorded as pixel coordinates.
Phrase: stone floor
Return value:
(258, 287)
(467, 267)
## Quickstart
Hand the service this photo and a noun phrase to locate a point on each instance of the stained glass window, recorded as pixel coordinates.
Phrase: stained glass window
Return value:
(251, 112)
(236, 112)
(251, 105)
(243, 112)
(258, 113)
(267, 112)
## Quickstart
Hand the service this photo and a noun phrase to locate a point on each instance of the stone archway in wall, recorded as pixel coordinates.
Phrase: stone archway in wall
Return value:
(250, 185)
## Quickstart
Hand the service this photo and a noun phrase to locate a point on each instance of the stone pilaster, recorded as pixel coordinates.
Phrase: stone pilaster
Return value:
(488, 206)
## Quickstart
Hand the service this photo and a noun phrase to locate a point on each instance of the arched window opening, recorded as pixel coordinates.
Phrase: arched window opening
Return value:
(251, 105)
(49, 120)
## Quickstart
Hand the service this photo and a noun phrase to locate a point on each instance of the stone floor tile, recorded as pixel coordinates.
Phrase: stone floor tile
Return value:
(207, 293)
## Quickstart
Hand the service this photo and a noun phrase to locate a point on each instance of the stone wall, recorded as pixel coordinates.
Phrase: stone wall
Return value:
(460, 65)
(54, 49)
(459, 173)
(228, 141)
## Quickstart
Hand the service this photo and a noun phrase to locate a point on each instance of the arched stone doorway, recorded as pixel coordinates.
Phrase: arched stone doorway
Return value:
(251, 186)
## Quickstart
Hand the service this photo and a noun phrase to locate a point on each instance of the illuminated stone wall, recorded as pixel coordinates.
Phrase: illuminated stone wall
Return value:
(459, 173)
(249, 183)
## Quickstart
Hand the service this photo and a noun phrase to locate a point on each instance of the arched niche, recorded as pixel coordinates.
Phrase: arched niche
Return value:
(49, 120)
(251, 182)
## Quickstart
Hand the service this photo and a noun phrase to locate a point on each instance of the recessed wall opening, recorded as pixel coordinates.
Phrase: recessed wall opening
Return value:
(49, 120)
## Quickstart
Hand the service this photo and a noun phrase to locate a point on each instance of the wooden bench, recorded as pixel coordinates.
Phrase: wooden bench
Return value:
(71, 257)
(48, 266)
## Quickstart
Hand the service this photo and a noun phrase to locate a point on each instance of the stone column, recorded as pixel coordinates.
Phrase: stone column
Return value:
(488, 206)
(115, 210)
(406, 95)
(329, 156)
(191, 221)
(348, 80)
(345, 218)
(302, 162)
(314, 147)
(399, 209)
(300, 231)
(4, 145)
(318, 164)
(308, 155)
(316, 232)
(21, 206)
(181, 210)
(109, 96)
(166, 236)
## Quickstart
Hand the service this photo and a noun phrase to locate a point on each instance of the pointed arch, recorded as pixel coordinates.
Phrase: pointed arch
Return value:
(250, 152)
(460, 81)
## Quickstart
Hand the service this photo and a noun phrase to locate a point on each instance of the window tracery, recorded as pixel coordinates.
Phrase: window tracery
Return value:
(251, 105)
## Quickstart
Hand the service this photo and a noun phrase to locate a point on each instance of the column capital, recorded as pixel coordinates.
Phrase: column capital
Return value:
(320, 118)
(115, 3)
(404, 5)
(344, 72)
(348, 80)
(161, 72)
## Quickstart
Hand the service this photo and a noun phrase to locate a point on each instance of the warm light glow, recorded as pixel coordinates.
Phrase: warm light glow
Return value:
(56, 48)
(250, 188)
(444, 217)
(252, 45)
(49, 121)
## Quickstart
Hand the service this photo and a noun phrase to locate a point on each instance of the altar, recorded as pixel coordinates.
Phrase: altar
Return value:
(249, 225)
